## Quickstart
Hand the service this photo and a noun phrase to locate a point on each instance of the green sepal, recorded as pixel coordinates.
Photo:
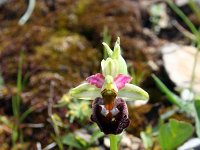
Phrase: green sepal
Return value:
(85, 91)
(116, 55)
(109, 67)
(132, 92)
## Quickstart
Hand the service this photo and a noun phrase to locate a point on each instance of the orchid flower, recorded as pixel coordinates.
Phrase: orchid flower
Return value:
(109, 89)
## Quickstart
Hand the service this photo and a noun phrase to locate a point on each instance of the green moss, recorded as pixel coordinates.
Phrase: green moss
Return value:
(81, 6)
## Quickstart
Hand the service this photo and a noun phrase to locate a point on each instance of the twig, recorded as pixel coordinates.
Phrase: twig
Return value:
(32, 125)
(50, 146)
(184, 31)
(50, 101)
(27, 14)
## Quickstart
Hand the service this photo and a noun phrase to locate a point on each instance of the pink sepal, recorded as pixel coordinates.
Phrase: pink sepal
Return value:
(97, 80)
(120, 80)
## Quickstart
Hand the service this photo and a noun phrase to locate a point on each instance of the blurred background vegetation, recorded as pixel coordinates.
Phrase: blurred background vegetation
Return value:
(50, 46)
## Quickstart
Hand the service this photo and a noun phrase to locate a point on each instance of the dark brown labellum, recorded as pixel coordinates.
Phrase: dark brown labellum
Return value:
(115, 120)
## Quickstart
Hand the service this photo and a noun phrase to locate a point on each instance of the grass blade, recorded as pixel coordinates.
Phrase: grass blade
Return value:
(170, 95)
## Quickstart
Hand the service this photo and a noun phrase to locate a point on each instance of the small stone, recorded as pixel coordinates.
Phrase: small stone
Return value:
(82, 133)
(106, 142)
(130, 142)
(178, 62)
(126, 141)
(193, 143)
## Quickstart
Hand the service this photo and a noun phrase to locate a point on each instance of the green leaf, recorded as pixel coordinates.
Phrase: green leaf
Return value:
(78, 110)
(82, 141)
(147, 140)
(197, 116)
(5, 120)
(170, 95)
(96, 135)
(156, 10)
(56, 122)
(71, 141)
(173, 134)
(186, 20)
(184, 105)
(14, 135)
(25, 114)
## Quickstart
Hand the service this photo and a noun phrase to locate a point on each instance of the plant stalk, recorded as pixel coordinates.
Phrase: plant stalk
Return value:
(113, 142)
(194, 69)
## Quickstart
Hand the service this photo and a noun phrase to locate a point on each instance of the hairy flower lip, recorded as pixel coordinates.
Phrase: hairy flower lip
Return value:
(114, 121)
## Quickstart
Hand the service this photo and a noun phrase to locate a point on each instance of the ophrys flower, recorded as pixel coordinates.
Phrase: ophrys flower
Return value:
(109, 90)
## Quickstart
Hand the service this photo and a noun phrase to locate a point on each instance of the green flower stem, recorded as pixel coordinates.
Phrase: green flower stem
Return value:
(194, 67)
(113, 142)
